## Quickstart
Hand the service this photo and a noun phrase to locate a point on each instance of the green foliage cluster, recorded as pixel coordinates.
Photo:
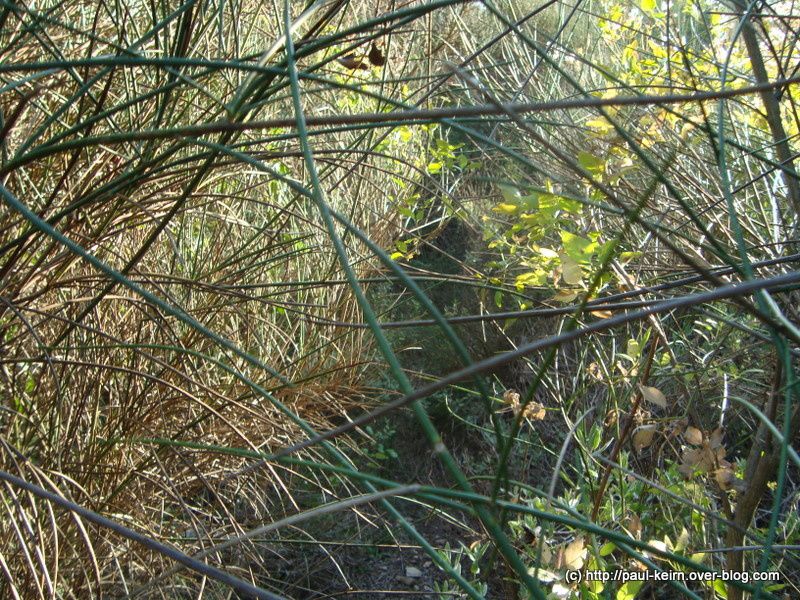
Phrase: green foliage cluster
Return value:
(531, 266)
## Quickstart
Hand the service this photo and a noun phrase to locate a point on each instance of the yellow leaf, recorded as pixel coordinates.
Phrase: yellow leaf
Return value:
(574, 555)
(648, 5)
(505, 208)
(603, 314)
(600, 126)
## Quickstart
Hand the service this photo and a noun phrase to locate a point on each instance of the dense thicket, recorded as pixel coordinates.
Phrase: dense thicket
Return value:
(453, 299)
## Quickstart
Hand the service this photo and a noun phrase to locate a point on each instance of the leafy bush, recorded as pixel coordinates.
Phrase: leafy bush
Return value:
(560, 237)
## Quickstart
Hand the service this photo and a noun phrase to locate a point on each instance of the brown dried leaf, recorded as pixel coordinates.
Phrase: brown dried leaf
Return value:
(727, 480)
(376, 57)
(534, 411)
(693, 436)
(639, 566)
(558, 561)
(351, 61)
(511, 398)
(634, 526)
(595, 372)
(643, 437)
(724, 478)
(715, 439)
(697, 459)
(653, 396)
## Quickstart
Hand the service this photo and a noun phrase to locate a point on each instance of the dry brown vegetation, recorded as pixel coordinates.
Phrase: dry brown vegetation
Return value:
(205, 246)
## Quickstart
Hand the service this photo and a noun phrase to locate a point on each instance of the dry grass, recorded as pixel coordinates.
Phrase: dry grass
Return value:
(89, 367)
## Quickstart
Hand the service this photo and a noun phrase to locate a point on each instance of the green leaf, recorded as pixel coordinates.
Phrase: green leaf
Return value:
(577, 248)
(498, 299)
(626, 257)
(510, 194)
(531, 279)
(607, 548)
(629, 590)
(591, 163)
(594, 444)
(569, 205)
(571, 271)
(634, 350)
